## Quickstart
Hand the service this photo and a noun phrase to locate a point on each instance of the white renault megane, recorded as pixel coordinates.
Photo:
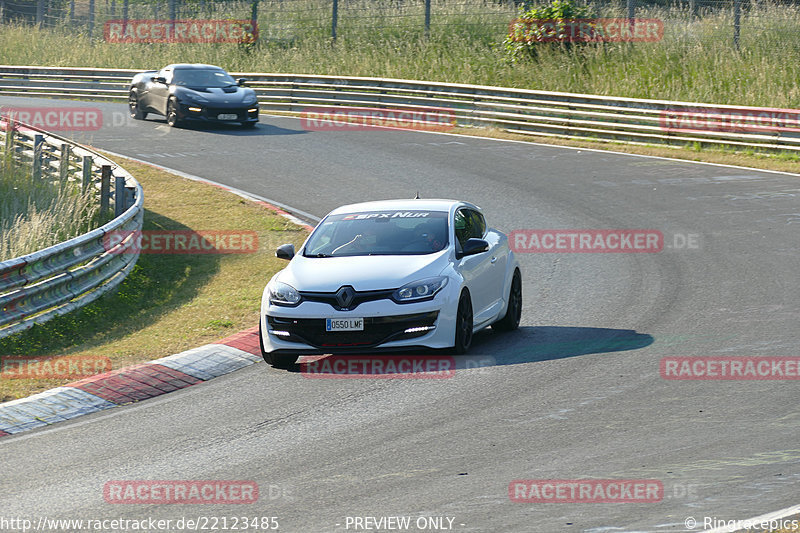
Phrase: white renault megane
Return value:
(391, 275)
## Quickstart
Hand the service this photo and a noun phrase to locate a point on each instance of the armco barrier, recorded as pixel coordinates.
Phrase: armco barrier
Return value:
(39, 286)
(543, 113)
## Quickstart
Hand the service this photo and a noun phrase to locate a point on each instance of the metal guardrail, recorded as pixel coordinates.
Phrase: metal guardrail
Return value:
(37, 287)
(542, 113)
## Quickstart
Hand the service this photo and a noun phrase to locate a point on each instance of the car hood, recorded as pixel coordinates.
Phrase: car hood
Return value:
(227, 95)
(363, 273)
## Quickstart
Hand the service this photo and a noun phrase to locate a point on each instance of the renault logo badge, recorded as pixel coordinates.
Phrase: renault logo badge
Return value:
(345, 296)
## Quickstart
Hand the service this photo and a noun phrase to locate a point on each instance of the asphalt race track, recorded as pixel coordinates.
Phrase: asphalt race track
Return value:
(575, 394)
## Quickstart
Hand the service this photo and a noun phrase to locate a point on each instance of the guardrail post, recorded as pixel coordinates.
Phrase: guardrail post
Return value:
(737, 11)
(10, 132)
(119, 195)
(334, 18)
(105, 188)
(39, 12)
(63, 162)
(130, 196)
(91, 18)
(427, 18)
(124, 13)
(87, 173)
(72, 11)
(38, 141)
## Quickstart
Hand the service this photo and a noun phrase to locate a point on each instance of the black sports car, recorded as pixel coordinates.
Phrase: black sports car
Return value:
(193, 92)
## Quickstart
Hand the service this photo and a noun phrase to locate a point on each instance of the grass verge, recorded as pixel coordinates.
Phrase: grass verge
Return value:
(170, 302)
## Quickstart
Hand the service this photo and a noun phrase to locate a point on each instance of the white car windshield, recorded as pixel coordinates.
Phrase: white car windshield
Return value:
(379, 233)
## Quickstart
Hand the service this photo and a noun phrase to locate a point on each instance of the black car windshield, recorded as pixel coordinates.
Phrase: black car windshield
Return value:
(379, 233)
(202, 78)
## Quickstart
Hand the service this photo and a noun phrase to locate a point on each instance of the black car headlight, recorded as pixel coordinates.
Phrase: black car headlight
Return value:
(419, 291)
(192, 99)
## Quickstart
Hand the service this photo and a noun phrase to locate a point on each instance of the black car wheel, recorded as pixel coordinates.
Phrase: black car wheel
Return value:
(276, 360)
(463, 338)
(510, 321)
(172, 113)
(133, 106)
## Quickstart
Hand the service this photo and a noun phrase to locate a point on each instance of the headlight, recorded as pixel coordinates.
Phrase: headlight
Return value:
(283, 294)
(194, 99)
(418, 291)
(250, 101)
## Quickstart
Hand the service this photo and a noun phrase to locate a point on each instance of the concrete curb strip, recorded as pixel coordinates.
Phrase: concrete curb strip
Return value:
(131, 384)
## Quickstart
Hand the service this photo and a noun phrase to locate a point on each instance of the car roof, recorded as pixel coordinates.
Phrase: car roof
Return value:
(404, 204)
(195, 66)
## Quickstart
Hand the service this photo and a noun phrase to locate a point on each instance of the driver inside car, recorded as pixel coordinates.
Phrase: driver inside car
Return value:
(428, 233)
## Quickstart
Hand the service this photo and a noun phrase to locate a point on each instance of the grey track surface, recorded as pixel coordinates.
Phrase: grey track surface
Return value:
(576, 393)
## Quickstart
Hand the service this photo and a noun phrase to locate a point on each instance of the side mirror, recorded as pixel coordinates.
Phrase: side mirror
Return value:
(159, 79)
(241, 81)
(285, 251)
(474, 246)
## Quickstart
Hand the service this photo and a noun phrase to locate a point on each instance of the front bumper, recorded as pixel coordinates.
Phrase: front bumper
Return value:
(204, 113)
(377, 330)
(388, 326)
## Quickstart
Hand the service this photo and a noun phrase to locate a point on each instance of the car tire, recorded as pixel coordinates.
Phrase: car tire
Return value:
(510, 321)
(464, 324)
(276, 360)
(133, 106)
(172, 113)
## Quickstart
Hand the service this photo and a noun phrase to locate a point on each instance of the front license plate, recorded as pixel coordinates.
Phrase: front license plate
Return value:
(228, 116)
(344, 324)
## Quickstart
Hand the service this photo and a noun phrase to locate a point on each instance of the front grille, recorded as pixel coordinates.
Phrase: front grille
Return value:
(358, 298)
(377, 330)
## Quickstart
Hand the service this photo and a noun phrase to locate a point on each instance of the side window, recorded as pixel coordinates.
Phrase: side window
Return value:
(478, 225)
(462, 223)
